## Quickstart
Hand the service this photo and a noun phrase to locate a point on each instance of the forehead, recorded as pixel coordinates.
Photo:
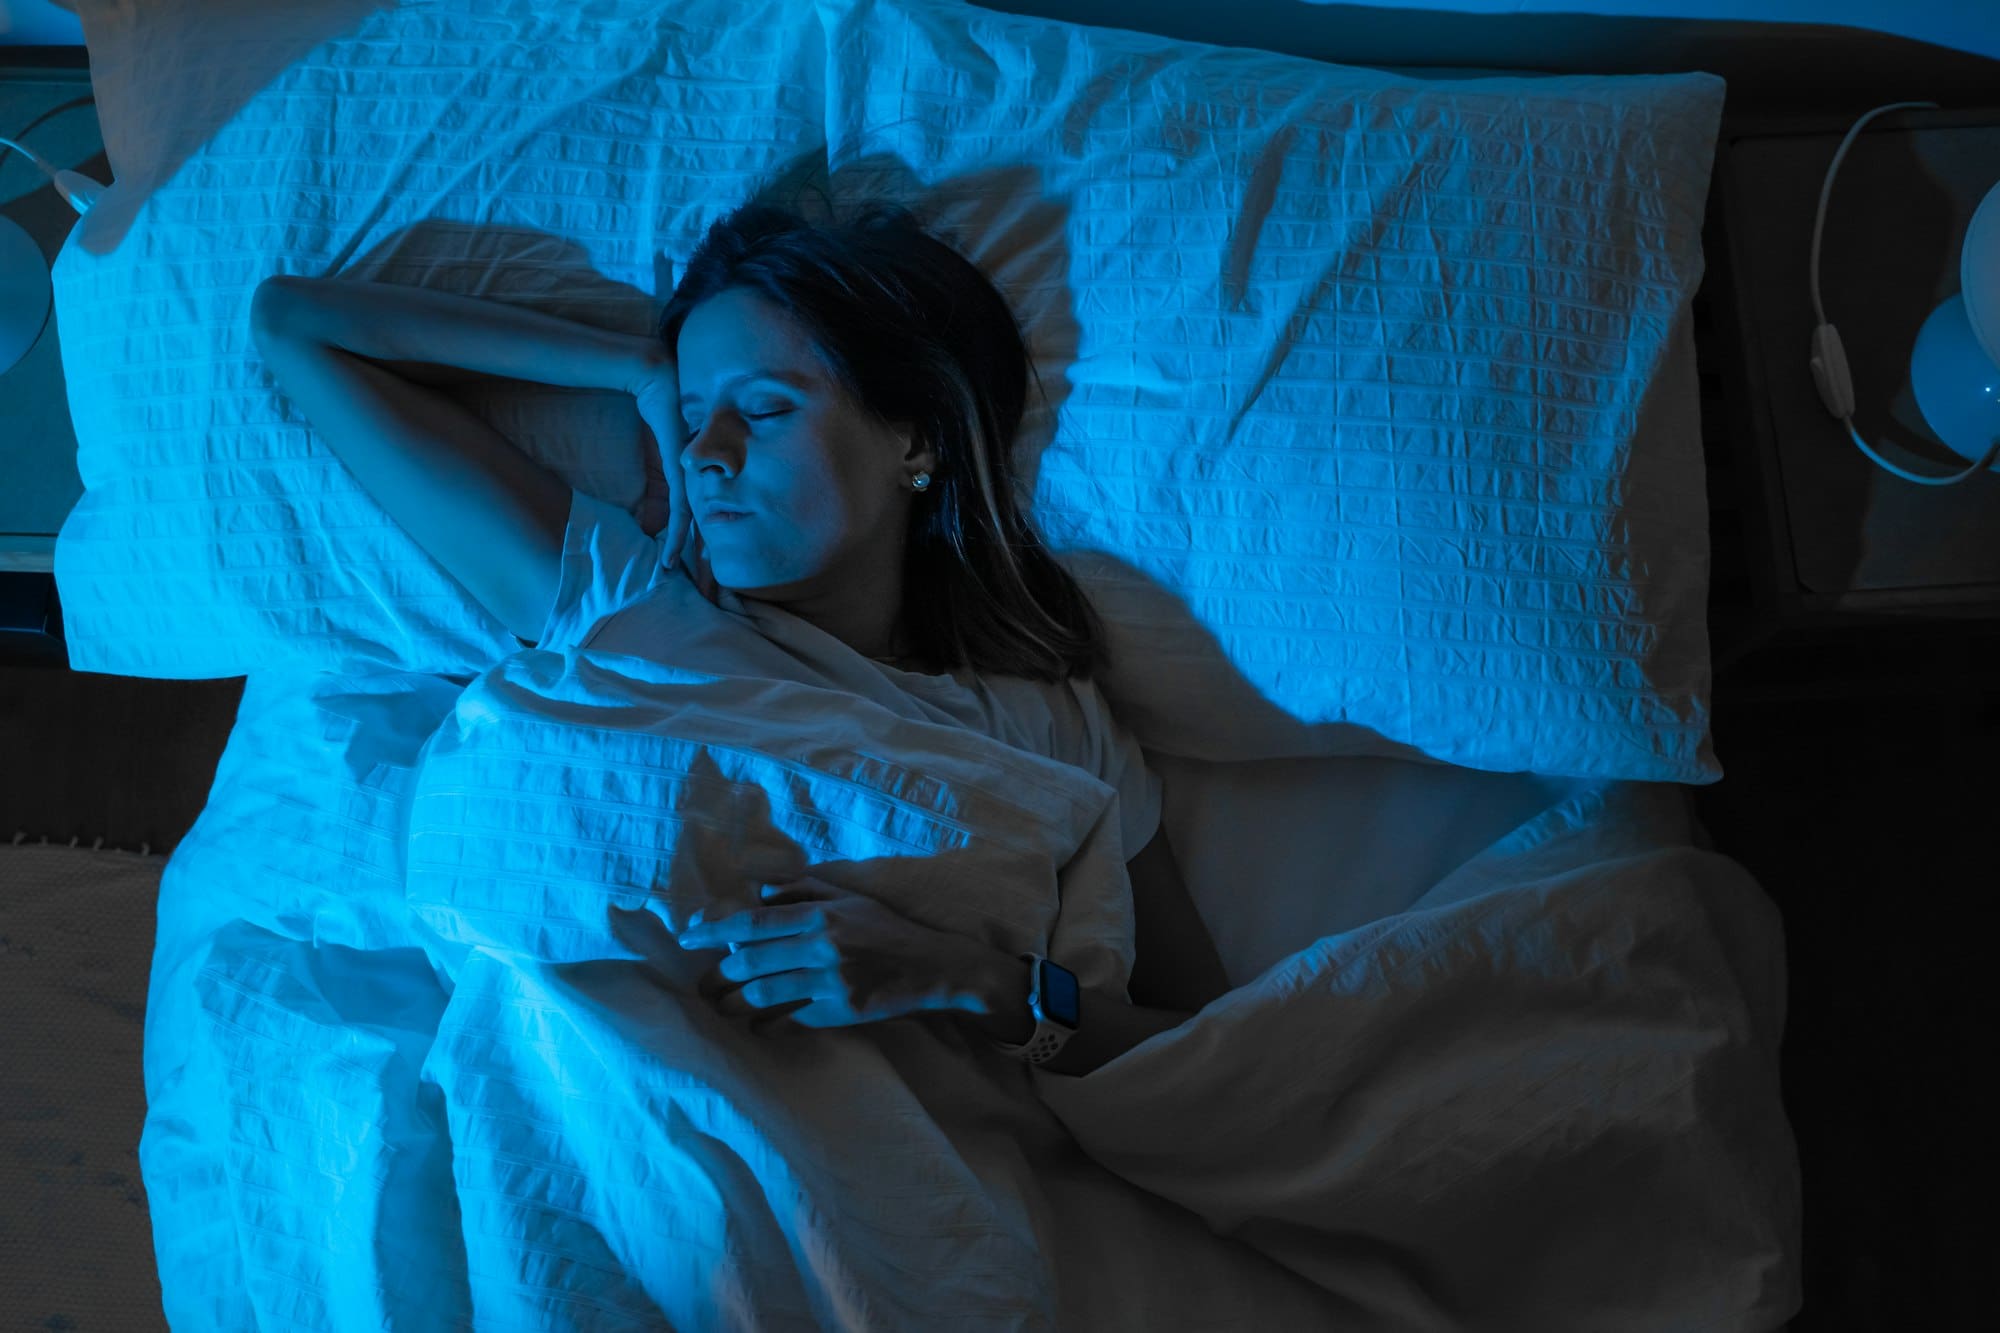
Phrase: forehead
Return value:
(737, 331)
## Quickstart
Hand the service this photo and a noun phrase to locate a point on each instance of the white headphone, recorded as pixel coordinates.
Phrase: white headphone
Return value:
(1829, 358)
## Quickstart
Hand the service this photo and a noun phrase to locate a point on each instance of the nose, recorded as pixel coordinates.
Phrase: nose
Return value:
(713, 448)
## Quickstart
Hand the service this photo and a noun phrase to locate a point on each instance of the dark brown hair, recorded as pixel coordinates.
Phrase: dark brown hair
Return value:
(915, 332)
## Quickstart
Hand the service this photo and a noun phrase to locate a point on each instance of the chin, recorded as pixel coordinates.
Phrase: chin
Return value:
(754, 583)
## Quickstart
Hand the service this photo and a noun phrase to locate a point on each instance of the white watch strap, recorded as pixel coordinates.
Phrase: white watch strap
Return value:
(1048, 1037)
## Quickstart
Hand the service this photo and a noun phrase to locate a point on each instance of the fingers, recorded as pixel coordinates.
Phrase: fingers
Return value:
(769, 959)
(803, 889)
(655, 501)
(759, 994)
(677, 517)
(748, 927)
(656, 469)
(698, 568)
(741, 985)
(677, 530)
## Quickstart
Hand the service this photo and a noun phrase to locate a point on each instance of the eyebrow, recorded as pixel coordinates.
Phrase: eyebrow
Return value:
(783, 377)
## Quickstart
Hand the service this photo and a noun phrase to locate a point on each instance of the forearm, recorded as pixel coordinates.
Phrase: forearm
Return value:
(995, 1005)
(434, 337)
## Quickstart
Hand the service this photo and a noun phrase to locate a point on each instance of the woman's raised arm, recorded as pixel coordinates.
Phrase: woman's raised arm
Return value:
(396, 325)
(479, 505)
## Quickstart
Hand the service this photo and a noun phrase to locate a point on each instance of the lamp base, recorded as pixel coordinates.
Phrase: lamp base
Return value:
(1957, 386)
(24, 293)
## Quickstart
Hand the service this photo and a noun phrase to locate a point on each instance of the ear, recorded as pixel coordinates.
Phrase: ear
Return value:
(915, 449)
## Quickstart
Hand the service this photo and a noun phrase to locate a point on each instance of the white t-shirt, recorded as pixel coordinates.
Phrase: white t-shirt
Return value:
(615, 596)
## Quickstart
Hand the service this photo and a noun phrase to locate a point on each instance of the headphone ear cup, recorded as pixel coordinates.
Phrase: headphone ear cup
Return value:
(1830, 373)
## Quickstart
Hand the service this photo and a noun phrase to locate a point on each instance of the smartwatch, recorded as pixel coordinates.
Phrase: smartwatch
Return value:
(1054, 1000)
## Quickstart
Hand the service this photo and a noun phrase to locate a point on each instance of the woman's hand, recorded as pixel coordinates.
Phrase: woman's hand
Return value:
(819, 956)
(656, 385)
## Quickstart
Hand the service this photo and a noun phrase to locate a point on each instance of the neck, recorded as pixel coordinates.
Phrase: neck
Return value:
(859, 602)
(872, 631)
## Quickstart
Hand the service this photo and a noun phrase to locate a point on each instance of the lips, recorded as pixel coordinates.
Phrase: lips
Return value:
(714, 512)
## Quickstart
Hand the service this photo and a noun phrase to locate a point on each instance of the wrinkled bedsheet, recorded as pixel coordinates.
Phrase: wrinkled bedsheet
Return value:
(420, 1051)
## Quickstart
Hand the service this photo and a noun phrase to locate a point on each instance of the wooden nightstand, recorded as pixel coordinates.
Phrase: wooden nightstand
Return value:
(46, 106)
(1831, 575)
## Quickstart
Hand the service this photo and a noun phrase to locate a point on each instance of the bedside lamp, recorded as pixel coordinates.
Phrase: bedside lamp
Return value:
(1955, 366)
(24, 274)
(1955, 369)
(24, 293)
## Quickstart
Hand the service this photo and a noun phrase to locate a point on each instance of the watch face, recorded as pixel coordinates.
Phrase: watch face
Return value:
(1059, 998)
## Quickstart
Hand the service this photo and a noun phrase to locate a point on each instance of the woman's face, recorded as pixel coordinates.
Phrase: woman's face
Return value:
(824, 488)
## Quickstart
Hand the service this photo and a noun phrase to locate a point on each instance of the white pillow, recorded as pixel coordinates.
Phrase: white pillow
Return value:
(1376, 417)
(560, 157)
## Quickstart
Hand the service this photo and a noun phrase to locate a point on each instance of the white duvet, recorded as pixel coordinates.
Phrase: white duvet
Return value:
(420, 1051)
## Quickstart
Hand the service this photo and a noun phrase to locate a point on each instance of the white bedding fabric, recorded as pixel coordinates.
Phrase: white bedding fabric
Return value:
(556, 156)
(1372, 406)
(615, 595)
(420, 1053)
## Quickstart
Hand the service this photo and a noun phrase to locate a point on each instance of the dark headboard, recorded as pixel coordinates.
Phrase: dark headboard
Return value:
(1771, 68)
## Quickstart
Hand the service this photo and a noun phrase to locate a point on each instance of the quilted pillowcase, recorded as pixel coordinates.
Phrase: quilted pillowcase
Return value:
(558, 157)
(1376, 423)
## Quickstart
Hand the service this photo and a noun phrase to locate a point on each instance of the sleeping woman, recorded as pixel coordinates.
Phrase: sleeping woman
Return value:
(834, 405)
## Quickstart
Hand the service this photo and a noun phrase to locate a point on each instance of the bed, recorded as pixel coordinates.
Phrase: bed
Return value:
(1375, 443)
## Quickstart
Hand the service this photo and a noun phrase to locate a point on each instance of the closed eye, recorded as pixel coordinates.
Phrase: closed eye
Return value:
(751, 416)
